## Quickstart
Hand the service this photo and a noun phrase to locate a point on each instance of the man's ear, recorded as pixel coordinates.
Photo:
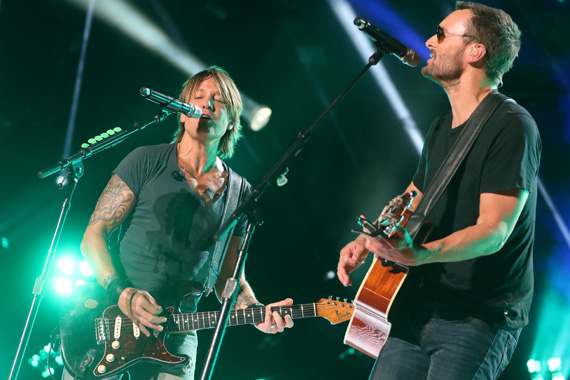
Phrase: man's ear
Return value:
(477, 52)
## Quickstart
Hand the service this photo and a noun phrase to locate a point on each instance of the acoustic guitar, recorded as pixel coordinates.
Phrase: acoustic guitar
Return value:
(369, 327)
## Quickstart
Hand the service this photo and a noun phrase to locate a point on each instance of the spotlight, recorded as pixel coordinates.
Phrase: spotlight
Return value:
(85, 269)
(533, 366)
(63, 285)
(258, 115)
(4, 242)
(66, 265)
(554, 364)
(259, 118)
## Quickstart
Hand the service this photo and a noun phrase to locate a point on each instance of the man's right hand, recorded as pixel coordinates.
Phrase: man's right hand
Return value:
(351, 257)
(142, 309)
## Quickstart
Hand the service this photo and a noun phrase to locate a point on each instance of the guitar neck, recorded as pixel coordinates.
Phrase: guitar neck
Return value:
(209, 319)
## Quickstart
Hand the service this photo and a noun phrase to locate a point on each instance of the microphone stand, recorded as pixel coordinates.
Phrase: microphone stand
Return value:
(249, 207)
(74, 168)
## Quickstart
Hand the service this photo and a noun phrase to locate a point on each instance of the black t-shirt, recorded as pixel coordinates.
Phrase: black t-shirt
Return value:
(506, 155)
(168, 236)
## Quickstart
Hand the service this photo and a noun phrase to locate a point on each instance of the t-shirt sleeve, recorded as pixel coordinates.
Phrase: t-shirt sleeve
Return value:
(134, 169)
(514, 157)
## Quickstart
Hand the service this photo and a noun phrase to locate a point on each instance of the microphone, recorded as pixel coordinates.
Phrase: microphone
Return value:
(171, 104)
(387, 43)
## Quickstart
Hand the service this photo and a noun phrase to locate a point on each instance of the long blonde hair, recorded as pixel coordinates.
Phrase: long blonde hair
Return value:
(230, 96)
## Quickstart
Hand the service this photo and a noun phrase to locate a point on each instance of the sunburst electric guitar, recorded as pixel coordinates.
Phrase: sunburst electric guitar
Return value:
(96, 346)
(369, 327)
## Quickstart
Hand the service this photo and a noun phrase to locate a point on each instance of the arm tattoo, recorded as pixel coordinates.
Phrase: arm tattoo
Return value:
(244, 300)
(114, 203)
(108, 280)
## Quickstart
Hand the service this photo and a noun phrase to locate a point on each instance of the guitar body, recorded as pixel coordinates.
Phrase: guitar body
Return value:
(369, 328)
(92, 349)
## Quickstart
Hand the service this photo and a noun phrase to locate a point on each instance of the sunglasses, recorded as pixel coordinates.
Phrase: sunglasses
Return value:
(440, 33)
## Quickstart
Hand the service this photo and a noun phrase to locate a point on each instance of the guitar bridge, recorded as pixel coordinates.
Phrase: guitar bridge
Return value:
(101, 330)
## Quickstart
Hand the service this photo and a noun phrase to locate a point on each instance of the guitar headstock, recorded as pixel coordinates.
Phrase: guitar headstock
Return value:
(396, 213)
(335, 311)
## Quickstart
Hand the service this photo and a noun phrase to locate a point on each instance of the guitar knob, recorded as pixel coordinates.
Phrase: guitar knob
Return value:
(110, 358)
(101, 369)
(116, 344)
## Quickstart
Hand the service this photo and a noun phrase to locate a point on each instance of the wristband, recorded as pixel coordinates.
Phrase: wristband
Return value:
(115, 288)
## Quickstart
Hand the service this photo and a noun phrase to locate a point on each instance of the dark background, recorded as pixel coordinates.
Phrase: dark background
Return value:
(293, 56)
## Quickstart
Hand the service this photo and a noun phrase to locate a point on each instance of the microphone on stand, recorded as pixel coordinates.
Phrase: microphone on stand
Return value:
(171, 104)
(387, 43)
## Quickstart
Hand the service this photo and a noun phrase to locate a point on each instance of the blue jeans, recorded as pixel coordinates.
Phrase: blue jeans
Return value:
(440, 349)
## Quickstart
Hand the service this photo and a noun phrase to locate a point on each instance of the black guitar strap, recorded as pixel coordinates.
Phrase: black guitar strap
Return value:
(453, 159)
(236, 191)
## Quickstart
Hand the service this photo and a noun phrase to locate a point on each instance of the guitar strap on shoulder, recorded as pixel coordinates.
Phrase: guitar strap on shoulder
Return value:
(236, 191)
(453, 159)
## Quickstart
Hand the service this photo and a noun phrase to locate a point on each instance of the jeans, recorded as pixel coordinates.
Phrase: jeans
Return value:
(441, 349)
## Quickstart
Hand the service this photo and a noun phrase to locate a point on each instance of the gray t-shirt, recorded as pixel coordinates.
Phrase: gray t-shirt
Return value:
(168, 237)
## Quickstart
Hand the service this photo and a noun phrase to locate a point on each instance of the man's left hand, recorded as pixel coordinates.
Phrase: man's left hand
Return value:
(274, 323)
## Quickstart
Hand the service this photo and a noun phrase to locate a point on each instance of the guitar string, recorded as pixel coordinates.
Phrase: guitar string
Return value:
(201, 317)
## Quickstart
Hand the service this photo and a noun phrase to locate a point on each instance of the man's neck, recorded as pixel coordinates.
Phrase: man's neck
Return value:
(464, 97)
(196, 157)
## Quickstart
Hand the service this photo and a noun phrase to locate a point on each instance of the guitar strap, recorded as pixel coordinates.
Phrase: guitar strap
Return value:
(236, 191)
(453, 159)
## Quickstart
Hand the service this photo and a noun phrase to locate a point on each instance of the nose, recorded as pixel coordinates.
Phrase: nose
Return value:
(210, 104)
(431, 41)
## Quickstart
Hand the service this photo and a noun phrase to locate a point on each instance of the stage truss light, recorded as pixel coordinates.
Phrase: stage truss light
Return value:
(133, 23)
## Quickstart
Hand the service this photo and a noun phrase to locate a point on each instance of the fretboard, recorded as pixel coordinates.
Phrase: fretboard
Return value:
(209, 319)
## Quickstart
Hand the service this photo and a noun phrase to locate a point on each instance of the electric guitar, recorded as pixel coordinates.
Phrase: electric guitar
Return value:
(369, 327)
(96, 346)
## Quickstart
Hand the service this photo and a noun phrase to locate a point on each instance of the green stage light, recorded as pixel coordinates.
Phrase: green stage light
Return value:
(85, 269)
(554, 364)
(66, 265)
(63, 285)
(533, 366)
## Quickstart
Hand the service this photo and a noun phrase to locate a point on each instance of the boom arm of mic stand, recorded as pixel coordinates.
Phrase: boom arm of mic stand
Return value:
(281, 166)
(98, 147)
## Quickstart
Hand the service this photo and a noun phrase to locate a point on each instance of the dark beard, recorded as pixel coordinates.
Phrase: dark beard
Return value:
(445, 75)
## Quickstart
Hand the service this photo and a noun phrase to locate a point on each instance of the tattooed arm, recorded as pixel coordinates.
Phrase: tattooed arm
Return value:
(114, 205)
(273, 321)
